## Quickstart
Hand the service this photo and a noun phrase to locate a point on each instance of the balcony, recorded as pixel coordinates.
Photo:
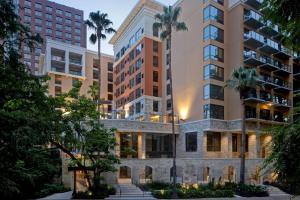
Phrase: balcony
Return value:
(253, 3)
(296, 56)
(58, 58)
(252, 19)
(284, 53)
(58, 69)
(253, 97)
(282, 85)
(267, 81)
(269, 29)
(281, 101)
(274, 65)
(253, 39)
(270, 46)
(251, 58)
(265, 116)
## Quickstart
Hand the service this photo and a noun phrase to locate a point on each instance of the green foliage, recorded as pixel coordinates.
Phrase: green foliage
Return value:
(100, 192)
(285, 14)
(50, 189)
(284, 158)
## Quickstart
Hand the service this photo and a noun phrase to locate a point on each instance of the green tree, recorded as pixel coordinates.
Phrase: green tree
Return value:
(168, 22)
(284, 156)
(242, 80)
(100, 25)
(285, 14)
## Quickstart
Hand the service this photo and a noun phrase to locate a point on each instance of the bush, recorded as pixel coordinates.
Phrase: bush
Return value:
(251, 190)
(162, 194)
(51, 189)
(96, 193)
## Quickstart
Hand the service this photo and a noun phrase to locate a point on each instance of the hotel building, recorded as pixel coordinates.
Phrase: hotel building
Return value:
(67, 64)
(50, 20)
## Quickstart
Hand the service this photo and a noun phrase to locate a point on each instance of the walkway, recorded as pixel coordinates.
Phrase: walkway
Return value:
(130, 192)
(59, 196)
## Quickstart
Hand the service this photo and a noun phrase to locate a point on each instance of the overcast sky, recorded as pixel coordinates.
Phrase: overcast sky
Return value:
(117, 11)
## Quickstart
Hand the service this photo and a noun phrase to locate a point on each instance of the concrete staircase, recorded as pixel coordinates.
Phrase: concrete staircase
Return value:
(274, 191)
(130, 192)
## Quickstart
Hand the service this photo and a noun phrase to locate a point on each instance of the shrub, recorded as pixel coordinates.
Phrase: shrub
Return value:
(251, 190)
(162, 194)
(50, 189)
(96, 193)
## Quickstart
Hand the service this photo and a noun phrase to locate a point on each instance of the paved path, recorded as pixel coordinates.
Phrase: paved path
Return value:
(59, 196)
(130, 192)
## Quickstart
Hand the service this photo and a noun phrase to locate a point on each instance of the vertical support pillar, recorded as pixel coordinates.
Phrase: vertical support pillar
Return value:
(67, 62)
(118, 144)
(229, 138)
(258, 145)
(141, 146)
(74, 179)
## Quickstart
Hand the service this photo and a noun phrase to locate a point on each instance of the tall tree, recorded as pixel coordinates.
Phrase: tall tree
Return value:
(242, 80)
(168, 22)
(100, 25)
(285, 14)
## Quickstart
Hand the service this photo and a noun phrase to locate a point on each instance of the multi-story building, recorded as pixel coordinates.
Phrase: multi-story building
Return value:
(66, 64)
(222, 35)
(51, 20)
(138, 65)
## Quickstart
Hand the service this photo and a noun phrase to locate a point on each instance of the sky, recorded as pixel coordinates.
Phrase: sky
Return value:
(117, 11)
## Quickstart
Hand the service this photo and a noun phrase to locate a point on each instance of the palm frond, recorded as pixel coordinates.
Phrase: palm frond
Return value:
(180, 26)
(93, 38)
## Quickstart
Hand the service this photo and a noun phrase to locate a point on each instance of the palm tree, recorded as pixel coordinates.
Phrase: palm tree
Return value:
(100, 25)
(167, 22)
(243, 80)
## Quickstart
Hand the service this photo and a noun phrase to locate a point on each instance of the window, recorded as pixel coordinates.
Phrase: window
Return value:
(138, 49)
(131, 69)
(48, 23)
(110, 87)
(27, 10)
(49, 9)
(169, 104)
(38, 28)
(78, 17)
(77, 37)
(131, 41)
(155, 31)
(213, 72)
(131, 110)
(138, 92)
(57, 79)
(212, 32)
(48, 16)
(58, 33)
(77, 30)
(110, 66)
(38, 21)
(155, 76)
(59, 19)
(110, 77)
(155, 46)
(138, 64)
(168, 74)
(138, 34)
(68, 28)
(38, 13)
(58, 11)
(191, 142)
(212, 91)
(213, 141)
(155, 91)
(38, 5)
(27, 18)
(77, 24)
(213, 13)
(68, 21)
(27, 56)
(131, 83)
(168, 58)
(155, 106)
(138, 107)
(110, 97)
(168, 44)
(27, 3)
(68, 14)
(68, 35)
(58, 26)
(138, 78)
(212, 111)
(155, 61)
(48, 31)
(213, 52)
(168, 89)
(57, 90)
(221, 2)
(234, 143)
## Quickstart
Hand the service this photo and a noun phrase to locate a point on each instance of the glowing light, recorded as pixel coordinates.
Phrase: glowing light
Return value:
(162, 192)
(195, 185)
(183, 111)
(270, 104)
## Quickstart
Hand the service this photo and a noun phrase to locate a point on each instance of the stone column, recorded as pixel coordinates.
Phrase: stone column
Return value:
(229, 137)
(252, 145)
(117, 147)
(141, 145)
(258, 145)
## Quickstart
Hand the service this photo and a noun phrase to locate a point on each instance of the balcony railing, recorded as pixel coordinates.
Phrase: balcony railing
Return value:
(58, 58)
(57, 69)
(75, 61)
(253, 39)
(253, 3)
(253, 19)
(281, 101)
(77, 73)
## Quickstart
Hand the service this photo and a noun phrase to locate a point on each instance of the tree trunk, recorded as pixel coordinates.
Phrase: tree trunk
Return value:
(174, 193)
(65, 150)
(243, 142)
(99, 73)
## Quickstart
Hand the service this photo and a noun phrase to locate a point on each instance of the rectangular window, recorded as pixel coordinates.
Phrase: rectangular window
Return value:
(48, 16)
(168, 73)
(138, 107)
(68, 21)
(38, 13)
(58, 26)
(212, 32)
(110, 97)
(110, 66)
(155, 106)
(78, 17)
(234, 143)
(212, 91)
(59, 19)
(213, 72)
(169, 104)
(138, 49)
(78, 24)
(110, 77)
(221, 2)
(48, 31)
(138, 34)
(131, 41)
(155, 91)
(68, 28)
(57, 90)
(131, 55)
(68, 14)
(191, 142)
(131, 83)
(77, 37)
(213, 141)
(74, 81)
(138, 92)
(155, 76)
(213, 13)
(57, 79)
(155, 31)
(77, 30)
(213, 52)
(27, 3)
(168, 59)
(155, 61)
(27, 18)
(110, 87)
(38, 21)
(68, 35)
(213, 111)
(58, 11)
(131, 69)
(38, 28)
(49, 9)
(138, 64)
(58, 33)
(168, 89)
(48, 23)
(38, 5)
(138, 78)
(155, 46)
(27, 10)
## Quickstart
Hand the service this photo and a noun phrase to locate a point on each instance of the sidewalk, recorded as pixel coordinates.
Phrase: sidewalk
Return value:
(59, 196)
